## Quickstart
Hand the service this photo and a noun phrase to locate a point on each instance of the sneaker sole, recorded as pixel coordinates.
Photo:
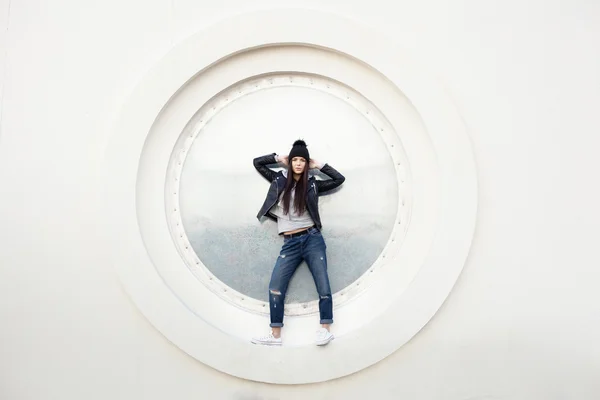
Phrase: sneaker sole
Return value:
(266, 343)
(324, 342)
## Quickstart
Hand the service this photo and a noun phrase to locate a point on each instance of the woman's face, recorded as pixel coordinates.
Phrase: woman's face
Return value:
(298, 165)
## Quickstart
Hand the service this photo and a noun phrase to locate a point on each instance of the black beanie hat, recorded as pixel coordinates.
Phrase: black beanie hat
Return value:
(299, 150)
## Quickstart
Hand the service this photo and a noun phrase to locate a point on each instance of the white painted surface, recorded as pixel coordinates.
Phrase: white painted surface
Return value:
(521, 323)
(420, 268)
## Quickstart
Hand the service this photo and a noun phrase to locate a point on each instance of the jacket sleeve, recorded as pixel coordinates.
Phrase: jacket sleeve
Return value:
(336, 179)
(260, 163)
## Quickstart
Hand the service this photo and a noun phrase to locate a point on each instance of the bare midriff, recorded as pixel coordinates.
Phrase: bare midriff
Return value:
(296, 231)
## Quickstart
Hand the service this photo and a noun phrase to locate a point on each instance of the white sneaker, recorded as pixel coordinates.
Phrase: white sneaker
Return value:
(267, 340)
(323, 337)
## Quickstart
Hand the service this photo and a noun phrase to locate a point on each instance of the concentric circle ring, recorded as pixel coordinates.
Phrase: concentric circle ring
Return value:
(454, 197)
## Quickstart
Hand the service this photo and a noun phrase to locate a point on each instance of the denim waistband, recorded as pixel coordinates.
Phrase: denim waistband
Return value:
(304, 232)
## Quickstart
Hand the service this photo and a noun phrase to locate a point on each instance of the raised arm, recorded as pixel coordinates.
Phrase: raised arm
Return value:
(336, 179)
(260, 163)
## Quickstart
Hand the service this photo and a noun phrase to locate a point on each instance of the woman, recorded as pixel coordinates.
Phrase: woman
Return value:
(292, 201)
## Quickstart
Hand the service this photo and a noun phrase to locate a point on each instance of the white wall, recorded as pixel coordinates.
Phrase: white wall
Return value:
(522, 321)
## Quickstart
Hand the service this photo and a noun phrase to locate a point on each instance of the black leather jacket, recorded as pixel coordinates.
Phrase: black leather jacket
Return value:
(278, 180)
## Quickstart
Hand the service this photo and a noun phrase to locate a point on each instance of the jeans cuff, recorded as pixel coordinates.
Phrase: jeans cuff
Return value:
(326, 321)
(276, 324)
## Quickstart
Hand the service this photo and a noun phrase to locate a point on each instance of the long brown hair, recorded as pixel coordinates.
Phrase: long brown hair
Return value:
(301, 187)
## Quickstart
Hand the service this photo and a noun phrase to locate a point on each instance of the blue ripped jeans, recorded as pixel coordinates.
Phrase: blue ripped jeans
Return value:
(311, 248)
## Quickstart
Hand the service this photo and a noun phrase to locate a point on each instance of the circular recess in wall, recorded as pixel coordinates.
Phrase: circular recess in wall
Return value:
(423, 147)
(213, 192)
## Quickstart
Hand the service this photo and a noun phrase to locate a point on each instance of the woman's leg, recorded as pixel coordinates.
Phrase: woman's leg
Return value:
(316, 258)
(288, 261)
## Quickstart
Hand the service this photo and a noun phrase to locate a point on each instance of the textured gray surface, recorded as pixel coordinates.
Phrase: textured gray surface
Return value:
(243, 257)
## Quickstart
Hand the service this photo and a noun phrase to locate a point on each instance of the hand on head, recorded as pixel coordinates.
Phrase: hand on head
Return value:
(299, 150)
(314, 164)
